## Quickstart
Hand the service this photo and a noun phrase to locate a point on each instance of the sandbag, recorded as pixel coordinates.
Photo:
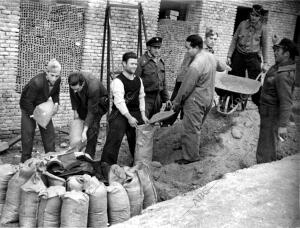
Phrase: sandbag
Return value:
(6, 173)
(42, 113)
(144, 143)
(98, 202)
(116, 174)
(75, 183)
(74, 210)
(10, 211)
(135, 194)
(118, 203)
(75, 132)
(149, 190)
(29, 205)
(50, 206)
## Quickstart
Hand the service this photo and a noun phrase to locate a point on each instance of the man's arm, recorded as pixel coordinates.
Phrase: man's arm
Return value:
(142, 102)
(31, 94)
(234, 41)
(284, 84)
(264, 45)
(55, 96)
(187, 87)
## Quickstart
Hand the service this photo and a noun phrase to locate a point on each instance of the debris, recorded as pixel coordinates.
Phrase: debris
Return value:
(63, 145)
(236, 133)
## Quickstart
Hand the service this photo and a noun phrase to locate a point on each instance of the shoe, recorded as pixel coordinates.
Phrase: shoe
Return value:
(184, 162)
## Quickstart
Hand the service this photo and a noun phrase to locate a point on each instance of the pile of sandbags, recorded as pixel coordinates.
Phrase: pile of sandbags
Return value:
(36, 198)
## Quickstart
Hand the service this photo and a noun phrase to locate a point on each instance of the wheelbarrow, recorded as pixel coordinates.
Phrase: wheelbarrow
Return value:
(235, 91)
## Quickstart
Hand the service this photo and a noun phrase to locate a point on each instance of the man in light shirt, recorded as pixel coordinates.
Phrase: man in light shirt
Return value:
(128, 111)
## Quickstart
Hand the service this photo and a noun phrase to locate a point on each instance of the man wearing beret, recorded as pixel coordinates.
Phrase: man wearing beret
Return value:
(249, 40)
(151, 69)
(276, 100)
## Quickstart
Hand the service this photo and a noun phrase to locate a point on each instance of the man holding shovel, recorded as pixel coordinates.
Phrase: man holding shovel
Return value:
(37, 91)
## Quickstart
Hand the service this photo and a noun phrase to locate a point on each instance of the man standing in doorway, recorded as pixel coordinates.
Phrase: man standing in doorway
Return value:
(38, 90)
(196, 95)
(89, 101)
(249, 40)
(151, 69)
(128, 111)
(276, 101)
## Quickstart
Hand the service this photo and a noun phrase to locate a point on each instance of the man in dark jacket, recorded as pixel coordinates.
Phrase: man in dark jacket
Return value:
(276, 101)
(151, 69)
(89, 100)
(38, 90)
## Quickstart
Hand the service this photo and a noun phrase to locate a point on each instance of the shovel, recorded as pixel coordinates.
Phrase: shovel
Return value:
(6, 145)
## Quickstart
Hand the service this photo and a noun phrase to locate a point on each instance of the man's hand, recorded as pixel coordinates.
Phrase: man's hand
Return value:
(228, 62)
(76, 116)
(144, 118)
(83, 134)
(227, 68)
(264, 67)
(274, 39)
(132, 122)
(282, 133)
(168, 105)
(176, 107)
(55, 109)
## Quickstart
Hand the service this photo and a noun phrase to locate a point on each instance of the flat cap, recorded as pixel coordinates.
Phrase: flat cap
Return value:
(154, 42)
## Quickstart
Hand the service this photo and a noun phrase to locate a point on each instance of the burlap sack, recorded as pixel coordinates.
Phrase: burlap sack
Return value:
(6, 173)
(43, 113)
(50, 206)
(118, 203)
(97, 192)
(144, 143)
(116, 174)
(75, 182)
(74, 210)
(10, 211)
(135, 194)
(75, 132)
(29, 205)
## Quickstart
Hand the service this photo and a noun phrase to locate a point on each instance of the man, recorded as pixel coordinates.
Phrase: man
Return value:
(276, 101)
(249, 40)
(196, 96)
(89, 101)
(128, 111)
(210, 39)
(38, 90)
(151, 69)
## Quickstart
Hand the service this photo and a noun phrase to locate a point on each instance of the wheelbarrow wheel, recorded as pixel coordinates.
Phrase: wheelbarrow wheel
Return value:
(244, 101)
(227, 104)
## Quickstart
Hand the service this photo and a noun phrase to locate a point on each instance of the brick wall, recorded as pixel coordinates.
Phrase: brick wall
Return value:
(174, 34)
(124, 28)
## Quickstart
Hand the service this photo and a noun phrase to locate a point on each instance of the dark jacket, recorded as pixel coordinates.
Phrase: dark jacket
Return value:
(276, 95)
(36, 91)
(91, 100)
(153, 76)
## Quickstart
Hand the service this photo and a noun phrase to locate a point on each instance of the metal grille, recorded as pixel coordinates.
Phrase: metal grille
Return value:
(46, 32)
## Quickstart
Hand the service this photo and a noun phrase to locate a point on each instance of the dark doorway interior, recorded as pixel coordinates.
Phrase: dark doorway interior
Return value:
(179, 6)
(297, 41)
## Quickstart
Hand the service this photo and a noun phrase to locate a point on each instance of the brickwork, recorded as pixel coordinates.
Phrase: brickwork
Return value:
(124, 28)
(219, 14)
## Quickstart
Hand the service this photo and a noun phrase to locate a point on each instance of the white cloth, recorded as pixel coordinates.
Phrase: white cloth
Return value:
(117, 88)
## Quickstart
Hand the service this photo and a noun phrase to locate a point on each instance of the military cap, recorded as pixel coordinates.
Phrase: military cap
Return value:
(258, 10)
(154, 42)
(287, 45)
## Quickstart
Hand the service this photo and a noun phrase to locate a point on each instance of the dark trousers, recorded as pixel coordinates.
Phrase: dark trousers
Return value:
(239, 64)
(267, 141)
(118, 127)
(153, 103)
(92, 136)
(28, 126)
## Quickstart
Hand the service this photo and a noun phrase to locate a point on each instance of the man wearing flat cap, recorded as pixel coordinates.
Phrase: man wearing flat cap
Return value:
(276, 100)
(151, 69)
(249, 40)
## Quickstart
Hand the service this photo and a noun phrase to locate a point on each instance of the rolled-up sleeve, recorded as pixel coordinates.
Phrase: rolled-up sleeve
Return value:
(142, 97)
